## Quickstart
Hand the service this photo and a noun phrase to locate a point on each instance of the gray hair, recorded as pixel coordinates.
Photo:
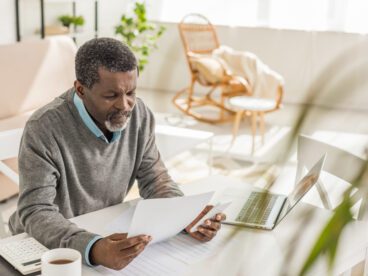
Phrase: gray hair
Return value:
(108, 53)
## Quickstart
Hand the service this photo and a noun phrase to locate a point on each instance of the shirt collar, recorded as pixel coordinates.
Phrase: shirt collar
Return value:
(86, 118)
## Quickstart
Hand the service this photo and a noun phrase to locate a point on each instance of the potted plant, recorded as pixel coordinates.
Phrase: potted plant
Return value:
(139, 34)
(68, 20)
(78, 22)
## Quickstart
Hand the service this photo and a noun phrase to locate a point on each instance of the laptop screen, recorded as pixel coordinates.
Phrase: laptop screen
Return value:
(303, 186)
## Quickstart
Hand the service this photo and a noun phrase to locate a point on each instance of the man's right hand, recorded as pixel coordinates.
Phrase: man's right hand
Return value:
(117, 251)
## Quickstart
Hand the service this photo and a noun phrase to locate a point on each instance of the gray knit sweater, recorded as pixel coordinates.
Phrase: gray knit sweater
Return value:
(66, 171)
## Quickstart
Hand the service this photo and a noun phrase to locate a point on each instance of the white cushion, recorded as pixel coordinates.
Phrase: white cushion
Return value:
(209, 67)
(252, 103)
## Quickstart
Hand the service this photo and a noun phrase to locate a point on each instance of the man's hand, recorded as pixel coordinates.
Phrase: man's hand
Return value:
(208, 230)
(117, 251)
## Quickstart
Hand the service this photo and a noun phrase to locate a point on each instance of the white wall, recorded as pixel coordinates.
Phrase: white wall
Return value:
(7, 21)
(110, 12)
(333, 64)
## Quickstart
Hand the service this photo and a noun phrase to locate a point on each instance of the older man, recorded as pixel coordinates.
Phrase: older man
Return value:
(84, 150)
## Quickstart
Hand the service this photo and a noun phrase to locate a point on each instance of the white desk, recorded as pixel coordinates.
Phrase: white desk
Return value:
(174, 140)
(250, 251)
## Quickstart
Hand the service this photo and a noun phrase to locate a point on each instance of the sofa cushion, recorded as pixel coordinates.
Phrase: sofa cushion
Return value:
(34, 72)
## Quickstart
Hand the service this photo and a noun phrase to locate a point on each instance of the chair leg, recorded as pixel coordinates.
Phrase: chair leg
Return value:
(323, 194)
(261, 125)
(238, 116)
(190, 95)
(254, 129)
(222, 111)
(362, 213)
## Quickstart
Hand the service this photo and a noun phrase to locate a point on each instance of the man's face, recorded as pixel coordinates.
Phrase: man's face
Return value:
(111, 100)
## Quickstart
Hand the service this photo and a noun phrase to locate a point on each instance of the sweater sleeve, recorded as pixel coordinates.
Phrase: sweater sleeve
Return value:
(153, 178)
(37, 213)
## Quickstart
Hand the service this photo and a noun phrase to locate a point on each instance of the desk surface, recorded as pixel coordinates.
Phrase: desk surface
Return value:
(251, 251)
(174, 140)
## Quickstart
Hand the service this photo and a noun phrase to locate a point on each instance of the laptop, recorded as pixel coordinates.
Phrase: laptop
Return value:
(265, 210)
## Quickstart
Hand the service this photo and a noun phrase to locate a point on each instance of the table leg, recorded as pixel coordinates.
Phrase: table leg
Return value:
(238, 116)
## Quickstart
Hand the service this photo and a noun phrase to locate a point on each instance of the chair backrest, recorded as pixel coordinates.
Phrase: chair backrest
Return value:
(339, 162)
(9, 148)
(198, 36)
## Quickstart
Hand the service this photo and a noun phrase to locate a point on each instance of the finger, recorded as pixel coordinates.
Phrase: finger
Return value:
(194, 222)
(199, 236)
(219, 217)
(129, 242)
(118, 236)
(207, 209)
(207, 232)
(133, 251)
(212, 225)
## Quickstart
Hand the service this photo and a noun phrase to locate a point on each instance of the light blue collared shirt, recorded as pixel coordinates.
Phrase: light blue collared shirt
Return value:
(90, 123)
(88, 249)
(98, 133)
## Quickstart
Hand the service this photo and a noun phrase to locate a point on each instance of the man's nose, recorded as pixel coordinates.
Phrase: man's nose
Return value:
(122, 103)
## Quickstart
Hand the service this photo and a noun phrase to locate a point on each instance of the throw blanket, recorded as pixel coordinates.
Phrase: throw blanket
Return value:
(262, 79)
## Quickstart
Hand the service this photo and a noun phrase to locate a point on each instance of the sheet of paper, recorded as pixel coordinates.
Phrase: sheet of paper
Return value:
(122, 222)
(219, 208)
(163, 218)
(171, 257)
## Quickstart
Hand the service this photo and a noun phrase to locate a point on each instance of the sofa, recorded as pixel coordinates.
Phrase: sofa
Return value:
(32, 73)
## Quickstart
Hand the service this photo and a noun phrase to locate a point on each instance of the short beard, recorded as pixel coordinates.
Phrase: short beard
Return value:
(117, 127)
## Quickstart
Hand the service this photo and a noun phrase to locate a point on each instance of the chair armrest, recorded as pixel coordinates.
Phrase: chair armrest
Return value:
(7, 171)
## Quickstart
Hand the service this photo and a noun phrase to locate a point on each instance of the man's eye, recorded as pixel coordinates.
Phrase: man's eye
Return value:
(110, 97)
(131, 94)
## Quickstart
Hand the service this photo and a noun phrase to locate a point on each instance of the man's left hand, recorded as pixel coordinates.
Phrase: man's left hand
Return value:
(208, 230)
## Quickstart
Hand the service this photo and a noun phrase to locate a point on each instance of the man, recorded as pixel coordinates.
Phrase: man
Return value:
(84, 150)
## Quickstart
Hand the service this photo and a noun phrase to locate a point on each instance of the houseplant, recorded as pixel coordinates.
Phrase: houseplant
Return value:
(139, 34)
(68, 20)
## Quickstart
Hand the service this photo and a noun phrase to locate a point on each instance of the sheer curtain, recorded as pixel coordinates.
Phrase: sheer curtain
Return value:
(317, 15)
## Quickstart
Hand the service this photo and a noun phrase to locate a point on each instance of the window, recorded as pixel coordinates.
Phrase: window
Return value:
(320, 15)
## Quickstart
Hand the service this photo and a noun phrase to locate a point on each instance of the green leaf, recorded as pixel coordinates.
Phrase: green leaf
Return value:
(68, 20)
(139, 34)
(328, 240)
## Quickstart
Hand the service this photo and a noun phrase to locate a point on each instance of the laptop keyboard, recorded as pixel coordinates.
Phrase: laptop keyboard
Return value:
(257, 208)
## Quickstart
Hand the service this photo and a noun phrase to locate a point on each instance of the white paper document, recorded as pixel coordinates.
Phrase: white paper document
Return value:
(122, 222)
(218, 208)
(171, 257)
(163, 218)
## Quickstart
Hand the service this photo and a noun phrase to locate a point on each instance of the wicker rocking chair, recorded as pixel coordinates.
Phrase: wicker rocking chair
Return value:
(200, 40)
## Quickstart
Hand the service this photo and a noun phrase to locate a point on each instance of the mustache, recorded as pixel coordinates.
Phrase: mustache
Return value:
(126, 114)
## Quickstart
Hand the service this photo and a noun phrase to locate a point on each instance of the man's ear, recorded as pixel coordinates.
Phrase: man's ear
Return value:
(79, 89)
